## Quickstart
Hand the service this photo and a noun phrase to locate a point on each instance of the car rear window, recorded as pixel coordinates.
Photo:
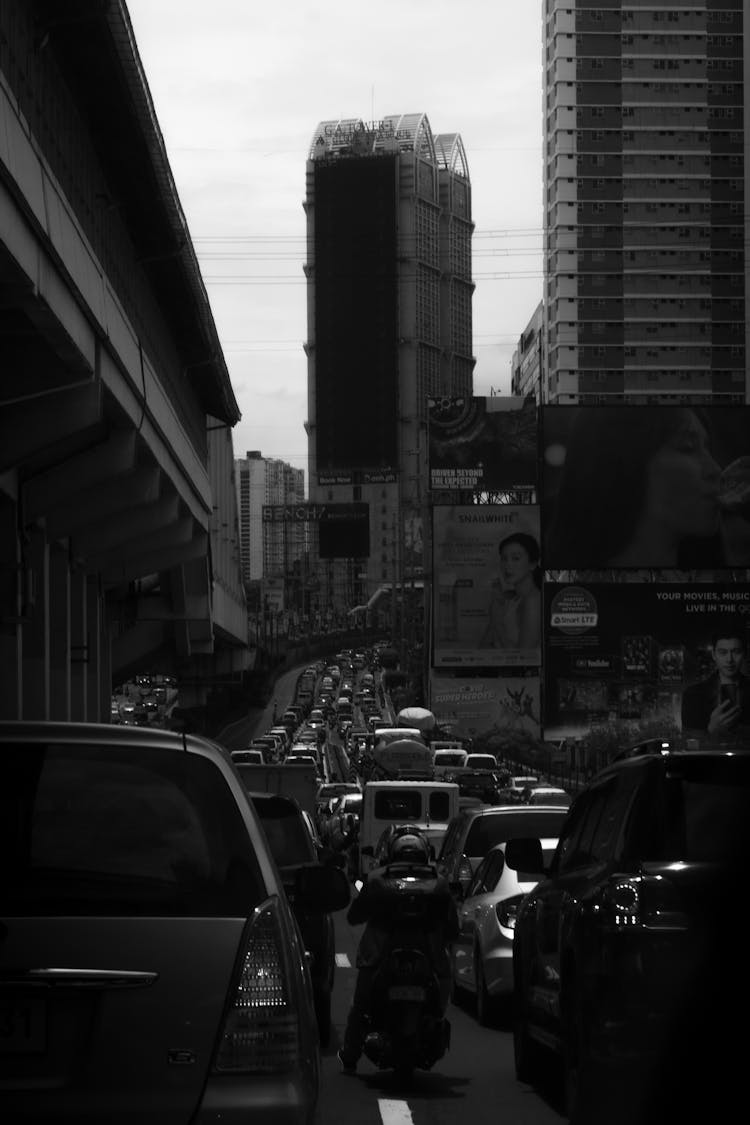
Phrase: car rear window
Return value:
(486, 831)
(288, 837)
(705, 808)
(104, 831)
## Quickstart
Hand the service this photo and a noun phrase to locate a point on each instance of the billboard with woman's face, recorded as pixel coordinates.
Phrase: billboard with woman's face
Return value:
(645, 487)
(486, 586)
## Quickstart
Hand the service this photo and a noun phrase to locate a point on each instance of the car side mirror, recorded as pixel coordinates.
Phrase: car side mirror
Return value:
(320, 888)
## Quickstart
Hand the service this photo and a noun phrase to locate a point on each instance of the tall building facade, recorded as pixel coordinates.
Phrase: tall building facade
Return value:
(389, 232)
(645, 244)
(268, 550)
(527, 362)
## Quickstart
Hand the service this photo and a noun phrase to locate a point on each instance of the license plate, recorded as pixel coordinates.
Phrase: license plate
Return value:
(411, 992)
(23, 1026)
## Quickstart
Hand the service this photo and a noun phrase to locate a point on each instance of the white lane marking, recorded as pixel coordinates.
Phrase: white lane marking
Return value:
(394, 1113)
(343, 961)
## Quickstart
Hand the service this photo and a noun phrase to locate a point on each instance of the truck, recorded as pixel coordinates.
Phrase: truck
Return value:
(300, 781)
(430, 805)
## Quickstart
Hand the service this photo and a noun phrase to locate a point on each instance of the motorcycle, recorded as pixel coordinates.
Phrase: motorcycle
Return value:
(407, 1028)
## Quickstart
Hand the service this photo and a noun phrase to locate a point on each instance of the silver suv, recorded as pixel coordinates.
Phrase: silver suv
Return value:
(472, 833)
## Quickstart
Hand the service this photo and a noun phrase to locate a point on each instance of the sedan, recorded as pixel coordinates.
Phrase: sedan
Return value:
(482, 956)
(151, 968)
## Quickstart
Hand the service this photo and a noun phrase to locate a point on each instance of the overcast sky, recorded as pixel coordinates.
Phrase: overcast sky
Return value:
(239, 87)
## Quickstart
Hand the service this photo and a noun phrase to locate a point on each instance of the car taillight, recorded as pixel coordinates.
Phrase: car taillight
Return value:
(648, 901)
(507, 911)
(260, 1032)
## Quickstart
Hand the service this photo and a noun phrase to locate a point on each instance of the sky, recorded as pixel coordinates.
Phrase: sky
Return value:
(239, 87)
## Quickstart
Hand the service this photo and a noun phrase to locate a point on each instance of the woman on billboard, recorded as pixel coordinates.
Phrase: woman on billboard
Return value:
(515, 609)
(640, 487)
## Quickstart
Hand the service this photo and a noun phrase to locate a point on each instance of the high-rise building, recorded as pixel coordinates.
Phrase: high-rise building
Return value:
(645, 245)
(268, 550)
(389, 234)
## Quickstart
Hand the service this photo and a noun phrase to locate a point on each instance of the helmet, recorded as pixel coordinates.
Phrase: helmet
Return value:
(410, 848)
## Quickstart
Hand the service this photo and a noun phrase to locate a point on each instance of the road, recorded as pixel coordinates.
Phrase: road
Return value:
(473, 1084)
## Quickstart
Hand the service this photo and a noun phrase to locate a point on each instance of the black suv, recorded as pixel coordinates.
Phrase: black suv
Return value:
(630, 954)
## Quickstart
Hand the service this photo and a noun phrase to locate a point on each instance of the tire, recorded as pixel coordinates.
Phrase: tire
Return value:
(486, 1005)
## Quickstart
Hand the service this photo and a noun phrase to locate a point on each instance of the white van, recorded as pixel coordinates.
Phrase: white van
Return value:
(429, 804)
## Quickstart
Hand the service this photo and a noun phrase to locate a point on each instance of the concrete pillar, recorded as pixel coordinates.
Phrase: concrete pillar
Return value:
(59, 632)
(12, 578)
(79, 649)
(98, 668)
(36, 673)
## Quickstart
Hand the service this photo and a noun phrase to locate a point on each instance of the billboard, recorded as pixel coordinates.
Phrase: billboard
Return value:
(356, 331)
(486, 585)
(664, 487)
(486, 708)
(488, 444)
(343, 529)
(641, 657)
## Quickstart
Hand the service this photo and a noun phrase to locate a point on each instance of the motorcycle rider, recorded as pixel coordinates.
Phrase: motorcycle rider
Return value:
(376, 905)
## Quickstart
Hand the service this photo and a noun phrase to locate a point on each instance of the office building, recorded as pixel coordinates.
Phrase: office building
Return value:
(527, 361)
(389, 231)
(645, 262)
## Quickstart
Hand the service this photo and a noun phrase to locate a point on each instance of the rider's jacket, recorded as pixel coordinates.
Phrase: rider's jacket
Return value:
(405, 904)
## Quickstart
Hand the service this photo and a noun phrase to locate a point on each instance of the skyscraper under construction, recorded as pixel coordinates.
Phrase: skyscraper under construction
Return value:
(388, 269)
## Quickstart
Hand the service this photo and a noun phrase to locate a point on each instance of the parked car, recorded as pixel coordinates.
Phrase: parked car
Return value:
(474, 831)
(629, 952)
(292, 839)
(482, 955)
(150, 962)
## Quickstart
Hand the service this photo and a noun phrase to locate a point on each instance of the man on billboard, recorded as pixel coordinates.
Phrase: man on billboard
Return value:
(720, 704)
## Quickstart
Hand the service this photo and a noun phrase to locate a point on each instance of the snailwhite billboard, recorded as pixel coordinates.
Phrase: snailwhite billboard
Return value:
(486, 586)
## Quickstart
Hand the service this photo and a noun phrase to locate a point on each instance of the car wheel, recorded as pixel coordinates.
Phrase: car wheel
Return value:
(323, 1015)
(486, 1006)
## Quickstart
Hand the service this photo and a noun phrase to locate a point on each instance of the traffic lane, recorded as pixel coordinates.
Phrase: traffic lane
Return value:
(475, 1081)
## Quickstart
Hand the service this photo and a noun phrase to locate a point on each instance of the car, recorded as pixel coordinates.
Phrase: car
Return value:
(480, 762)
(472, 833)
(629, 952)
(482, 955)
(444, 761)
(484, 784)
(149, 954)
(249, 757)
(524, 781)
(545, 795)
(292, 840)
